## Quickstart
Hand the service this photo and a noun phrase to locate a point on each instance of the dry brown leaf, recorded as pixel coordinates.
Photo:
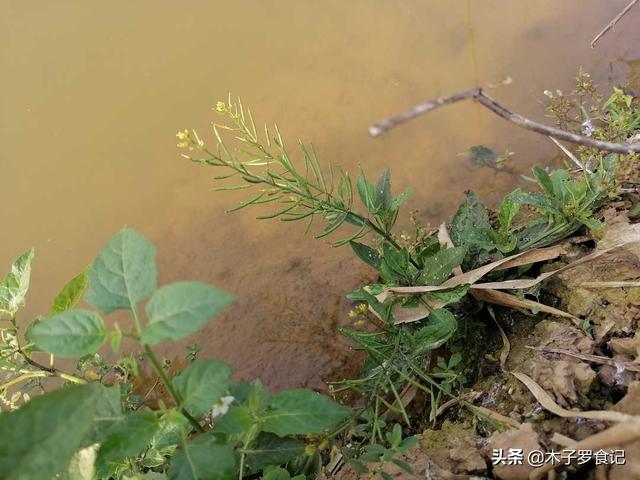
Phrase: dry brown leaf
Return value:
(523, 258)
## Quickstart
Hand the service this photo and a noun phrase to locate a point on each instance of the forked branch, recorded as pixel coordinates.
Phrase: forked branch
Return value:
(613, 22)
(478, 95)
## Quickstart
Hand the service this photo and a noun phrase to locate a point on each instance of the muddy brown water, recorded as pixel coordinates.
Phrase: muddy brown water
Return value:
(93, 93)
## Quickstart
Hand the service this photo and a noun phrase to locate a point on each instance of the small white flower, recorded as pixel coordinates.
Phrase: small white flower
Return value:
(222, 406)
(548, 93)
(588, 128)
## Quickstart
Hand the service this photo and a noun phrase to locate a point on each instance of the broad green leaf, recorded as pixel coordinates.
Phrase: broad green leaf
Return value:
(178, 310)
(279, 473)
(108, 413)
(72, 333)
(544, 180)
(438, 329)
(508, 210)
(204, 459)
(367, 193)
(505, 242)
(296, 412)
(384, 199)
(172, 427)
(471, 222)
(70, 294)
(271, 449)
(367, 254)
(127, 438)
(237, 420)
(15, 285)
(202, 384)
(38, 440)
(123, 274)
(438, 267)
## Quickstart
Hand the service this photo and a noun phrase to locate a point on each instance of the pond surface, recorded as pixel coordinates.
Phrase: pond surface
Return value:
(93, 93)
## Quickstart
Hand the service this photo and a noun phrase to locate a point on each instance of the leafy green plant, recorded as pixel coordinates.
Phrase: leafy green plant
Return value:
(400, 331)
(563, 204)
(207, 427)
(371, 461)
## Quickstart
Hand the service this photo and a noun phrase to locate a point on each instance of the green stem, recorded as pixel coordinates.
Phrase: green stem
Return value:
(165, 381)
(247, 441)
(21, 378)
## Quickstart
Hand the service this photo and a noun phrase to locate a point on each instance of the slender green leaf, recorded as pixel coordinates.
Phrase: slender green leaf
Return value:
(401, 198)
(15, 285)
(38, 440)
(70, 293)
(178, 310)
(449, 296)
(123, 274)
(367, 193)
(384, 198)
(296, 412)
(367, 254)
(202, 384)
(72, 333)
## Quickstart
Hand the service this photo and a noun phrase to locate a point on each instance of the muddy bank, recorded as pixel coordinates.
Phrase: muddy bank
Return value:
(534, 385)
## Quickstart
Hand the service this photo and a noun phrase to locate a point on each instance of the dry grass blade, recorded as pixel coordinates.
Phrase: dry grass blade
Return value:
(506, 345)
(633, 367)
(523, 258)
(621, 284)
(571, 156)
(548, 403)
(495, 416)
(562, 440)
(507, 300)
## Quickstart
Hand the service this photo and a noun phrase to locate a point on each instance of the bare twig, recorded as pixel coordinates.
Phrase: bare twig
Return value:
(478, 95)
(613, 22)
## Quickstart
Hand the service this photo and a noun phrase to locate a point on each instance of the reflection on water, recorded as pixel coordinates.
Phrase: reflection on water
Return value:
(93, 94)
